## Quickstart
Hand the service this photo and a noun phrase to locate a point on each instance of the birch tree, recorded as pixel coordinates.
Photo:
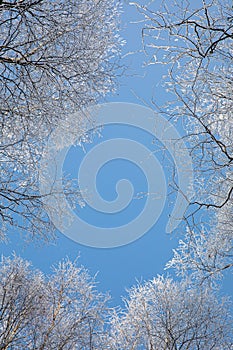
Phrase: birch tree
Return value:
(56, 57)
(60, 311)
(194, 41)
(163, 314)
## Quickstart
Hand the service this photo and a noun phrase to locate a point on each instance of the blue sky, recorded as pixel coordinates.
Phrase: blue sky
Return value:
(117, 268)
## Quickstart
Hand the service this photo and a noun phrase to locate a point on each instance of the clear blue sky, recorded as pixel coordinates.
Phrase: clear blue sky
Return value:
(118, 268)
